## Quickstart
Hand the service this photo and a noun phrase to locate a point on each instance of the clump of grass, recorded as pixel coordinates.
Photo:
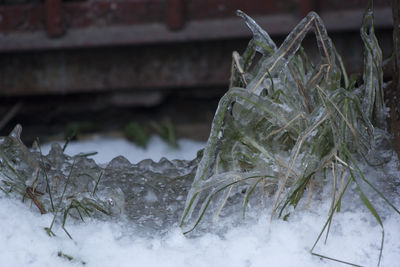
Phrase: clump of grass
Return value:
(167, 131)
(286, 122)
(140, 133)
(137, 133)
(58, 184)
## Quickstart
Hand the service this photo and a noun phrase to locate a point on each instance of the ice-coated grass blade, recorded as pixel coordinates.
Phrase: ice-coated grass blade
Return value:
(261, 37)
(97, 183)
(49, 229)
(46, 176)
(210, 198)
(380, 194)
(329, 221)
(367, 203)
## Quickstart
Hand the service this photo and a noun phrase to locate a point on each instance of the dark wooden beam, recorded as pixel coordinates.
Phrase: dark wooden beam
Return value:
(175, 14)
(195, 30)
(54, 23)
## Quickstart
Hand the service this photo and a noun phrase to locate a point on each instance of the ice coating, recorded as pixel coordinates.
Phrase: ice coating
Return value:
(373, 84)
(148, 193)
(288, 125)
(16, 156)
(264, 42)
(154, 192)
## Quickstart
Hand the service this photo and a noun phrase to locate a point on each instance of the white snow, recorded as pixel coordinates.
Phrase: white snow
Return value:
(109, 148)
(354, 236)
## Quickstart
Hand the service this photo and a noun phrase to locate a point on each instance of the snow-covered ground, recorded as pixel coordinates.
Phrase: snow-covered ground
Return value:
(354, 237)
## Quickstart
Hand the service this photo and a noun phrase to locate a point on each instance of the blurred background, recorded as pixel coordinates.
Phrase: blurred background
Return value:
(78, 67)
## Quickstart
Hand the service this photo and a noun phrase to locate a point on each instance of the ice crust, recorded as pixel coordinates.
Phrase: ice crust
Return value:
(149, 193)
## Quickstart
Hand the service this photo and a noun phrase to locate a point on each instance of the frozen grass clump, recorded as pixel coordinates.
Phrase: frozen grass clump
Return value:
(288, 126)
(68, 187)
(150, 195)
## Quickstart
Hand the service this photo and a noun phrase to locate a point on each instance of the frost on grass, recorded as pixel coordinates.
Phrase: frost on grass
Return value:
(288, 127)
(74, 188)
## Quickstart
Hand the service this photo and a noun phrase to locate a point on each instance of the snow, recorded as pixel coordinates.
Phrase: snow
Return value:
(354, 236)
(109, 148)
